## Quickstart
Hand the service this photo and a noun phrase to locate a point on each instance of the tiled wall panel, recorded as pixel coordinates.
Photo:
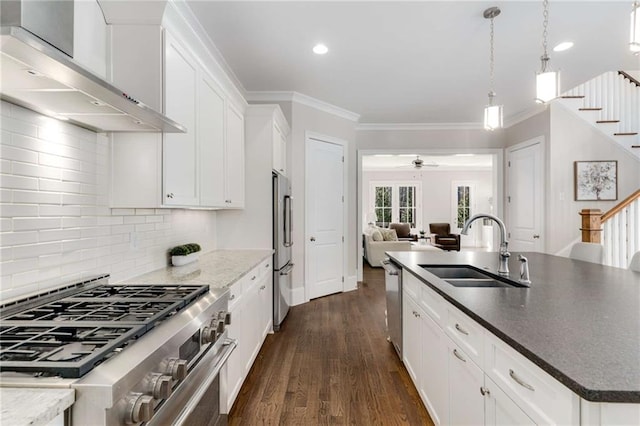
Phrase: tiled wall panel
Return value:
(56, 226)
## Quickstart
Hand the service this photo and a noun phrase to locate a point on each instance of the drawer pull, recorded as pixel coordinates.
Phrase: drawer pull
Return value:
(460, 357)
(484, 391)
(253, 278)
(233, 296)
(519, 381)
(461, 330)
(263, 287)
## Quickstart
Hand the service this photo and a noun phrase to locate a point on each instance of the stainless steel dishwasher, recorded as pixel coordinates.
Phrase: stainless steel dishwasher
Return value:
(393, 286)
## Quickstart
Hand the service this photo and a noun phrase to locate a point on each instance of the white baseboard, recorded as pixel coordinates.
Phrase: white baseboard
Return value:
(297, 296)
(351, 283)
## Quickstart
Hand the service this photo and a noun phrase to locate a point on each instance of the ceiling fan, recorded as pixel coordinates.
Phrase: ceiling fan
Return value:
(418, 163)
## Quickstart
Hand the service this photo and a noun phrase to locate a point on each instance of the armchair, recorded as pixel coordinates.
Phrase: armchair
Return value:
(403, 231)
(443, 238)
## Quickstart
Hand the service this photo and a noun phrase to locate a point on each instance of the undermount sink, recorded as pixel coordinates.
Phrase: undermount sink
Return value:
(466, 276)
(477, 282)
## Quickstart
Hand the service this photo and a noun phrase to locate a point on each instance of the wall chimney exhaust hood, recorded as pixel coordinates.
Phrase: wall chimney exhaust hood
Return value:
(38, 76)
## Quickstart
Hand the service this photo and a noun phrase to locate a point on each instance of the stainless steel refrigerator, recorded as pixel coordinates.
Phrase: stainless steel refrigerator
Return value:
(282, 243)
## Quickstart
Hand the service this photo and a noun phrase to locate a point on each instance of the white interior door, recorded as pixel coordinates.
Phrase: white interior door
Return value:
(525, 196)
(324, 206)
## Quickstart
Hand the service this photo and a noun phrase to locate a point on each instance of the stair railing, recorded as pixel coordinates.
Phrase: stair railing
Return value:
(618, 230)
(618, 94)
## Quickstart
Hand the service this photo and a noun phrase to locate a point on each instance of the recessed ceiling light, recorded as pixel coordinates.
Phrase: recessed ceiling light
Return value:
(565, 45)
(320, 49)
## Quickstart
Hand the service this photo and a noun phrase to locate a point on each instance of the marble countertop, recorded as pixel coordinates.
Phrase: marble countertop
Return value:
(218, 269)
(579, 321)
(33, 407)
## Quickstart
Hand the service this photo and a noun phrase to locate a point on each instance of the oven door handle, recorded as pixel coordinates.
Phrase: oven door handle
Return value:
(228, 347)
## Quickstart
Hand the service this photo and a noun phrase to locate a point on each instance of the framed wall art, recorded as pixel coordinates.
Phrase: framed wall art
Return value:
(596, 180)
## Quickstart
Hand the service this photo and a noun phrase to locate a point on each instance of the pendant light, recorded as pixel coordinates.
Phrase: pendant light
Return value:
(634, 38)
(547, 81)
(492, 113)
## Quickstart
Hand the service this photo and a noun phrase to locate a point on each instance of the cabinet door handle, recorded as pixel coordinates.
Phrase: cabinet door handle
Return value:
(484, 391)
(233, 296)
(461, 330)
(170, 195)
(519, 381)
(536, 236)
(263, 287)
(460, 357)
(253, 278)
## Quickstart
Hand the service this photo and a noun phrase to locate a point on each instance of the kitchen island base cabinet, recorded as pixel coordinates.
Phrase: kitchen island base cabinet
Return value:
(458, 368)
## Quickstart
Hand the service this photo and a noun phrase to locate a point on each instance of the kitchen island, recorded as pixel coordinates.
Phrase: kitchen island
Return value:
(578, 322)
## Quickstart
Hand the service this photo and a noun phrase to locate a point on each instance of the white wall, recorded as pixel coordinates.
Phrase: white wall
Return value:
(303, 119)
(56, 226)
(436, 191)
(572, 139)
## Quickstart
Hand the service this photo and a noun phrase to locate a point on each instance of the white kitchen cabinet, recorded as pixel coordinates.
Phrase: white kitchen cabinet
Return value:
(466, 375)
(435, 378)
(411, 345)
(211, 139)
(466, 402)
(280, 149)
(234, 158)
(180, 151)
(250, 305)
(500, 409)
(90, 37)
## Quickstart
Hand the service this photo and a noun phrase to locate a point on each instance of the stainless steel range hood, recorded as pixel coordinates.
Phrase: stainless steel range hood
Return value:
(38, 76)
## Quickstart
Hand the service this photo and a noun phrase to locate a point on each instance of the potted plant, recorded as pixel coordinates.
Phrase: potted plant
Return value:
(186, 253)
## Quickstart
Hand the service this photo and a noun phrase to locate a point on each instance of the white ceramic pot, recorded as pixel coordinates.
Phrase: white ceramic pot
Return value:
(183, 260)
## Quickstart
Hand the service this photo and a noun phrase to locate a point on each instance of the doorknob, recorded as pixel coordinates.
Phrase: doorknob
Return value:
(313, 238)
(536, 236)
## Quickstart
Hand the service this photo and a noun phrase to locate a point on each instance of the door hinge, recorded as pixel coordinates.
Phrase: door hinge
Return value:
(508, 163)
(508, 198)
(343, 238)
(342, 279)
(343, 158)
(343, 198)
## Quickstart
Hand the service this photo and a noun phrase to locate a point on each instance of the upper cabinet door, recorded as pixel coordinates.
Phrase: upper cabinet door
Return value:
(180, 150)
(211, 142)
(234, 157)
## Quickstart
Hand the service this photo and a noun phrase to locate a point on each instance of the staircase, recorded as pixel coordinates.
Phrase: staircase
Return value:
(611, 103)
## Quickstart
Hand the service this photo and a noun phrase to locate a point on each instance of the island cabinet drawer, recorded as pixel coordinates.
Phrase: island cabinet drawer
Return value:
(434, 305)
(466, 333)
(411, 285)
(539, 395)
(264, 268)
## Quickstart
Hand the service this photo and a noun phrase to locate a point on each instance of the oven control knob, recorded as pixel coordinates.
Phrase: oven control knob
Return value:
(220, 326)
(176, 368)
(208, 334)
(226, 316)
(139, 408)
(159, 385)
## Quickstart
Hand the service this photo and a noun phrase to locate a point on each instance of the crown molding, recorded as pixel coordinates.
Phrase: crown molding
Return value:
(290, 96)
(419, 126)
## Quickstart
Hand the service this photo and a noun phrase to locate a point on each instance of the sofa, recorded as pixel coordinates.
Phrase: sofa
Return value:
(374, 250)
(442, 237)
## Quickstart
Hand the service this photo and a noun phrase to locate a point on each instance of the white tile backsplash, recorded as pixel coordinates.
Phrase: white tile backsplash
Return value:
(56, 226)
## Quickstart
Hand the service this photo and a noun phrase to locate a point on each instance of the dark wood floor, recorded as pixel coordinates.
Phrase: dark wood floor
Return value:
(331, 365)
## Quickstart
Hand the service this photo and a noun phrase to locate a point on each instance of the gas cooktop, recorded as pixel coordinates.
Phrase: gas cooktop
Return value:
(68, 334)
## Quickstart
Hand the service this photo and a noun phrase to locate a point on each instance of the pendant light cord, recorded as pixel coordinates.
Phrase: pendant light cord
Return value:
(545, 23)
(492, 93)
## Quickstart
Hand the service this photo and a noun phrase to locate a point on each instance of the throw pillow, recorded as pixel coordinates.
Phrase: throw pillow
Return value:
(376, 235)
(389, 234)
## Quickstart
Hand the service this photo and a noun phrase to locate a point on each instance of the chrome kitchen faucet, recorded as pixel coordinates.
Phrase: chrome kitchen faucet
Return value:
(503, 266)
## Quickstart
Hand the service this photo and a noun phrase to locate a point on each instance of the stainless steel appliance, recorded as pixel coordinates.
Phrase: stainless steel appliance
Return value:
(39, 73)
(282, 242)
(135, 354)
(393, 287)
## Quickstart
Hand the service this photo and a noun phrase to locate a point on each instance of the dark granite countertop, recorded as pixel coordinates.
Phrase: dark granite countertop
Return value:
(579, 321)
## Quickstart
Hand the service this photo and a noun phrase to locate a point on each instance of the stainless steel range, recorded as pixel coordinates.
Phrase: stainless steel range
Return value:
(135, 354)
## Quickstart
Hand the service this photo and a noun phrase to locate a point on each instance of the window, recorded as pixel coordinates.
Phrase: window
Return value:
(395, 202)
(462, 202)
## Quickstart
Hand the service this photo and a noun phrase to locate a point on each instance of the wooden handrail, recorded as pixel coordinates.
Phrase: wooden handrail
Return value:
(621, 205)
(628, 77)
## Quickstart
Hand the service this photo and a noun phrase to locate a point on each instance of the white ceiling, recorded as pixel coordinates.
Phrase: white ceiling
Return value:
(414, 62)
(403, 162)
